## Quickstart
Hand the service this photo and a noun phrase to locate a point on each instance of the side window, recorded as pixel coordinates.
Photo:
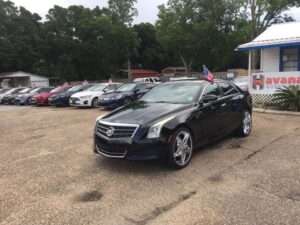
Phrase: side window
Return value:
(110, 87)
(211, 89)
(228, 89)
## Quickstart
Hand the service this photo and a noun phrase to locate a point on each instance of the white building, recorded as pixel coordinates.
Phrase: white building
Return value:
(279, 46)
(16, 79)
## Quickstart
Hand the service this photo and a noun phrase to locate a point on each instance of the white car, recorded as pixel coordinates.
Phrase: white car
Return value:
(90, 97)
(154, 80)
(242, 83)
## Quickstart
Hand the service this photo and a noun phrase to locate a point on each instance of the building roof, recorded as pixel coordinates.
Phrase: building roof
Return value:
(278, 35)
(19, 74)
(175, 68)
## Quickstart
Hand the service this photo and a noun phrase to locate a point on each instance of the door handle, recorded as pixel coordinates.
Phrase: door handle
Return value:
(224, 104)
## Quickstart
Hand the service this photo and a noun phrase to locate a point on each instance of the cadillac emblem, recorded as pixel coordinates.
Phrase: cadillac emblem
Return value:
(110, 131)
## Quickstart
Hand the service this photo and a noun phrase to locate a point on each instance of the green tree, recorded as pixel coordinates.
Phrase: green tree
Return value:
(19, 38)
(196, 31)
(151, 55)
(263, 13)
(123, 10)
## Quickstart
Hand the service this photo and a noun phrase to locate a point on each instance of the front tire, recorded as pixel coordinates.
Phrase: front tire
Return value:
(94, 103)
(245, 127)
(127, 101)
(181, 149)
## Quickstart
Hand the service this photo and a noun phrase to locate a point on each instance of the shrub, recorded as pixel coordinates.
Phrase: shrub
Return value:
(288, 98)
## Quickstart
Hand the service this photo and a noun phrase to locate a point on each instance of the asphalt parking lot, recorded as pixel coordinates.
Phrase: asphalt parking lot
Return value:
(50, 175)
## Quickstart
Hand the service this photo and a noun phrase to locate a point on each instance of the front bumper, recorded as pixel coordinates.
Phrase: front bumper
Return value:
(39, 101)
(111, 103)
(8, 101)
(20, 101)
(58, 101)
(129, 149)
(80, 102)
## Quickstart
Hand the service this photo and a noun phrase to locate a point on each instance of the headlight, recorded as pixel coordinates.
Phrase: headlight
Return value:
(117, 97)
(102, 116)
(85, 97)
(155, 129)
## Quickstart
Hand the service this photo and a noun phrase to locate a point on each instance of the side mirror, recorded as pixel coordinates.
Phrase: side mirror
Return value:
(209, 98)
(136, 90)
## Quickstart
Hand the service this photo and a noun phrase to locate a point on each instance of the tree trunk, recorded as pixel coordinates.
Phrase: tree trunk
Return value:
(129, 70)
(187, 65)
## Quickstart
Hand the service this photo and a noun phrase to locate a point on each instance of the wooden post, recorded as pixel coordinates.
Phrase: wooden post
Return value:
(249, 64)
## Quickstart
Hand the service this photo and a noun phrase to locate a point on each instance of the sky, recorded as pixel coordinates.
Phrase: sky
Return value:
(147, 8)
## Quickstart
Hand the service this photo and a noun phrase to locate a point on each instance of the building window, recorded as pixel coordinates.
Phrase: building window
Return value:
(290, 59)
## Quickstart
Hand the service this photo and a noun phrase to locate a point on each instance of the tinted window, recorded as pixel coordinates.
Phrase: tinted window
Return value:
(211, 89)
(228, 89)
(110, 87)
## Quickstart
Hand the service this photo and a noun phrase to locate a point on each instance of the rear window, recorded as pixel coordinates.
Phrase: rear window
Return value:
(211, 89)
(227, 88)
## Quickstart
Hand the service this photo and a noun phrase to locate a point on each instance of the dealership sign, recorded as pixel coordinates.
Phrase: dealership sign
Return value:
(268, 83)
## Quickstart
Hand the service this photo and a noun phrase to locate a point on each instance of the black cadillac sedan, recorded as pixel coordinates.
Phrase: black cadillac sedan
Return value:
(172, 120)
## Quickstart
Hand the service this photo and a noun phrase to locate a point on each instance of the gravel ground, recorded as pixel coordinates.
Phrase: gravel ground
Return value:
(49, 175)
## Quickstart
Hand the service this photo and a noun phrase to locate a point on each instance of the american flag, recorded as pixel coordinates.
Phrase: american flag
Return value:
(208, 74)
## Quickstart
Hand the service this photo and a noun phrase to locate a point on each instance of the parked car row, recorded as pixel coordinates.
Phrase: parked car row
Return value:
(108, 95)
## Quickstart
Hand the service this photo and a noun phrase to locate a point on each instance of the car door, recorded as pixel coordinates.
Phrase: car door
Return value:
(233, 105)
(140, 90)
(209, 115)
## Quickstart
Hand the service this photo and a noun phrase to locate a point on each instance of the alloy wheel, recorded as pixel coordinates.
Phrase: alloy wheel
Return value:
(247, 123)
(183, 148)
(127, 101)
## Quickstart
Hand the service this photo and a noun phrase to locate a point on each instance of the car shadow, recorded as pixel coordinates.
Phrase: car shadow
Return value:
(155, 166)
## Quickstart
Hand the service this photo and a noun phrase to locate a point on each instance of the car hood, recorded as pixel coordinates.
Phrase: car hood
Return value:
(144, 113)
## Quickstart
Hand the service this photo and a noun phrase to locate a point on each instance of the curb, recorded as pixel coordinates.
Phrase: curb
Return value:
(277, 112)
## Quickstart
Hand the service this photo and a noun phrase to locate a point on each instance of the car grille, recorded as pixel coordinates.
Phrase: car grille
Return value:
(75, 99)
(112, 130)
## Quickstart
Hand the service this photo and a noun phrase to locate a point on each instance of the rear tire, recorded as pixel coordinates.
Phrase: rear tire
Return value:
(245, 127)
(181, 149)
(94, 103)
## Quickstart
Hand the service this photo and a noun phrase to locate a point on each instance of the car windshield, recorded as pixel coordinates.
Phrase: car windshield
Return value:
(241, 79)
(17, 90)
(25, 90)
(173, 92)
(4, 91)
(36, 90)
(75, 88)
(99, 87)
(126, 88)
(56, 89)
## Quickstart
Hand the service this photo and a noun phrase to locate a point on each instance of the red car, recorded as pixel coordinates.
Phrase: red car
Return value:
(42, 99)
